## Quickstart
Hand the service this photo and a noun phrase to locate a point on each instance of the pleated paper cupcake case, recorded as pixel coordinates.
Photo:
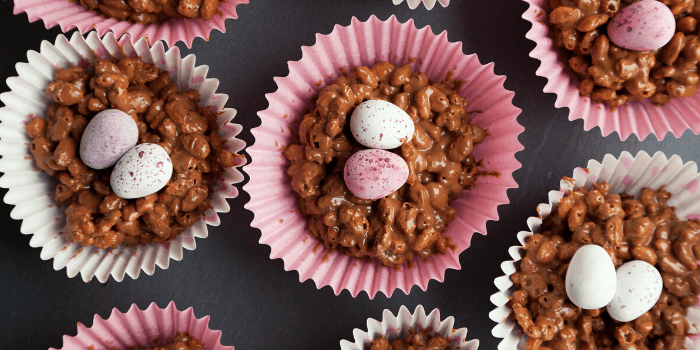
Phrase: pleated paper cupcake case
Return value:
(625, 174)
(392, 327)
(150, 328)
(429, 4)
(635, 117)
(69, 15)
(274, 203)
(31, 191)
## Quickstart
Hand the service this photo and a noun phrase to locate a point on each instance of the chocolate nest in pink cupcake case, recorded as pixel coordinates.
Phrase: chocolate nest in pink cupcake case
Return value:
(135, 158)
(379, 159)
(183, 341)
(624, 50)
(153, 11)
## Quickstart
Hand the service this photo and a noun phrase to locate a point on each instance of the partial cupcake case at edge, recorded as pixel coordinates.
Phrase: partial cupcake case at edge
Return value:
(70, 14)
(32, 191)
(144, 329)
(398, 327)
(635, 117)
(625, 174)
(429, 4)
(274, 203)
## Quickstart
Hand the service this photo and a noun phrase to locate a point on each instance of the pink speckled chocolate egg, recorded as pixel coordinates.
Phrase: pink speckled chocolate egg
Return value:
(143, 170)
(646, 25)
(106, 138)
(375, 173)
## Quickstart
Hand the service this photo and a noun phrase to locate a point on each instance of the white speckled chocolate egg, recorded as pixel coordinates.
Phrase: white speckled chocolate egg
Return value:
(143, 170)
(643, 26)
(107, 137)
(381, 124)
(374, 173)
(639, 286)
(591, 281)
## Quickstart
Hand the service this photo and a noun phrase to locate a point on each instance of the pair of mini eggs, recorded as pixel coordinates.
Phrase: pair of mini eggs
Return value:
(110, 138)
(375, 173)
(592, 283)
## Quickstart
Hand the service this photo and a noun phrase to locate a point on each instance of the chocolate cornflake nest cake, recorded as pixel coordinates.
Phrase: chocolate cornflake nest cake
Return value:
(435, 160)
(164, 117)
(183, 341)
(629, 228)
(418, 341)
(153, 11)
(612, 74)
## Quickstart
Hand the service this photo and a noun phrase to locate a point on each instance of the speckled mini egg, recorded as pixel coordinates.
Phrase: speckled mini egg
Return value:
(639, 286)
(591, 280)
(646, 25)
(381, 124)
(143, 170)
(107, 137)
(375, 173)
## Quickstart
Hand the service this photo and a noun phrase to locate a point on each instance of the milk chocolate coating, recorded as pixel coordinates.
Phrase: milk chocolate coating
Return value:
(413, 341)
(153, 11)
(183, 341)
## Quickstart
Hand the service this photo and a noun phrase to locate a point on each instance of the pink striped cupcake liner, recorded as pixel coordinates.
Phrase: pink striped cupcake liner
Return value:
(30, 191)
(429, 4)
(625, 174)
(634, 117)
(69, 14)
(274, 203)
(147, 329)
(392, 327)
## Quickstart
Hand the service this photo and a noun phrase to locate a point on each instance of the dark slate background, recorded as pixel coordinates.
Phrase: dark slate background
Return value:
(230, 276)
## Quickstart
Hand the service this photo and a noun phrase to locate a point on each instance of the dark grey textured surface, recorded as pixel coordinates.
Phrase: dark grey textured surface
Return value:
(229, 276)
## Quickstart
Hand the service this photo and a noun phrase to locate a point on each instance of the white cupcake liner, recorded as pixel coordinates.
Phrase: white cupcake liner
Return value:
(31, 190)
(626, 174)
(137, 329)
(429, 4)
(393, 327)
